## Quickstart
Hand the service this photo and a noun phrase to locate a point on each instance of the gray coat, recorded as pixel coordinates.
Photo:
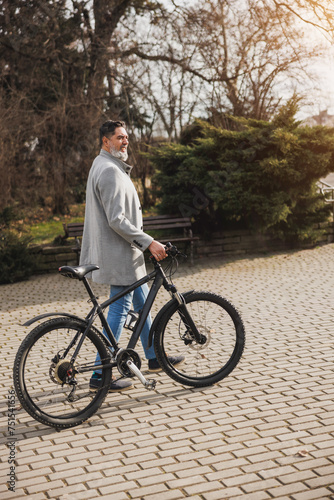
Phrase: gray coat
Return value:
(113, 235)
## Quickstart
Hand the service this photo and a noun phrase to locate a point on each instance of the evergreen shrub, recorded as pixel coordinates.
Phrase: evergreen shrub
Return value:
(256, 174)
(16, 262)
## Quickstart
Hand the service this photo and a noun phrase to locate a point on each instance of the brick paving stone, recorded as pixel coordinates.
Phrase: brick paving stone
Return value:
(77, 491)
(221, 494)
(288, 489)
(116, 488)
(284, 497)
(186, 481)
(84, 478)
(203, 487)
(325, 470)
(240, 438)
(240, 479)
(121, 495)
(162, 462)
(258, 486)
(297, 476)
(277, 471)
(167, 495)
(315, 464)
(21, 494)
(314, 494)
(42, 487)
(329, 452)
(259, 495)
(157, 478)
(327, 480)
(69, 466)
(189, 472)
(177, 466)
(140, 473)
(144, 491)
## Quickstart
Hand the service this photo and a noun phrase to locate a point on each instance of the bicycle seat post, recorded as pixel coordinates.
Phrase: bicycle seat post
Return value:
(90, 291)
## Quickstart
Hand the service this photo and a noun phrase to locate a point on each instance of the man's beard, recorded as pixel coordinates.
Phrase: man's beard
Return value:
(119, 154)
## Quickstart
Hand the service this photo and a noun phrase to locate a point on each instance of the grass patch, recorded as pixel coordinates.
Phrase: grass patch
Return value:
(44, 228)
(46, 232)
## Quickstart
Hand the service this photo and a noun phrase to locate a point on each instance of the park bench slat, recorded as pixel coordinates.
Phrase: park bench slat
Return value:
(153, 223)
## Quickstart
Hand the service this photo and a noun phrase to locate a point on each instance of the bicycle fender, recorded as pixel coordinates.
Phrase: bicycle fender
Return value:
(47, 315)
(161, 312)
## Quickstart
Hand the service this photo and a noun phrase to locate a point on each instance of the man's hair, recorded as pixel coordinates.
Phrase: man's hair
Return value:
(108, 129)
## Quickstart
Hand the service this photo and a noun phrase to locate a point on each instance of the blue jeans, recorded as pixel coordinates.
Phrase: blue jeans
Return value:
(118, 312)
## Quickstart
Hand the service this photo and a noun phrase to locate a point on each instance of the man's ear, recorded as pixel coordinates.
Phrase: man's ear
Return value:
(105, 141)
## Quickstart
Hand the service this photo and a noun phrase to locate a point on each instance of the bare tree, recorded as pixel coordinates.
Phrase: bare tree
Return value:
(317, 13)
(55, 61)
(67, 64)
(245, 52)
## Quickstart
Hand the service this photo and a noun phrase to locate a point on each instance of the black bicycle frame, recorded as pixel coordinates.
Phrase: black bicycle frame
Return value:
(160, 279)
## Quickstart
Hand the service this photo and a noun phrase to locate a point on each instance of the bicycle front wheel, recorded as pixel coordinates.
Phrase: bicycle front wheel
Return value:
(207, 363)
(49, 388)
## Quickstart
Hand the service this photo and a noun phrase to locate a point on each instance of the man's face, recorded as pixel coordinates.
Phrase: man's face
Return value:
(118, 143)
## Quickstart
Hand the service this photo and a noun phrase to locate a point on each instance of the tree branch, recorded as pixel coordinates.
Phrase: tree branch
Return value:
(307, 21)
(182, 63)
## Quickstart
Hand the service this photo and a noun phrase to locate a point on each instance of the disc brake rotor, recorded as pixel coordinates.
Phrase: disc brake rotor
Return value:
(191, 342)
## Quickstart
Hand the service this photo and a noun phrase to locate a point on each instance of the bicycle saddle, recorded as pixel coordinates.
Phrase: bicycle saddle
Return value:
(77, 272)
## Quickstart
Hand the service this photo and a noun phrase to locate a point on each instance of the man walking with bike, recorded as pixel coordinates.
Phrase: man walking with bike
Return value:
(113, 238)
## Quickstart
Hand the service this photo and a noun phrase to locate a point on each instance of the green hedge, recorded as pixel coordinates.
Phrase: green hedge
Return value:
(257, 175)
(16, 262)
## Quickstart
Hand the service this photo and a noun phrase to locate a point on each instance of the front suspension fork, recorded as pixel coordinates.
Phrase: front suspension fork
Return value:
(187, 319)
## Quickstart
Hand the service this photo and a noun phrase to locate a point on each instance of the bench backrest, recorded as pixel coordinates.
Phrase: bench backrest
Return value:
(166, 222)
(75, 229)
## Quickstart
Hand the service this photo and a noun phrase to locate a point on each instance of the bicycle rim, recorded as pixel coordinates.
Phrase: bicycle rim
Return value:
(208, 363)
(40, 372)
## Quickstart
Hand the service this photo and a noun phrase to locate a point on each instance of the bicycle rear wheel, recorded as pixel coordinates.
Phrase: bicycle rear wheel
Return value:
(208, 363)
(43, 378)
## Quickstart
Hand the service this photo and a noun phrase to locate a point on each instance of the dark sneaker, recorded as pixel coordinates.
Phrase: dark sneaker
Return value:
(115, 386)
(154, 366)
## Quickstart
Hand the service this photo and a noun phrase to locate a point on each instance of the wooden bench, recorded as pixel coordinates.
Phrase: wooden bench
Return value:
(74, 230)
(179, 230)
(172, 225)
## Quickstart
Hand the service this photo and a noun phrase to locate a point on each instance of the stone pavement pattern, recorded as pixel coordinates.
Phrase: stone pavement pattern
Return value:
(266, 431)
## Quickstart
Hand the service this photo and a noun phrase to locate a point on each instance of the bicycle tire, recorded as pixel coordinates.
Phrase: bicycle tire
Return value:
(38, 378)
(206, 364)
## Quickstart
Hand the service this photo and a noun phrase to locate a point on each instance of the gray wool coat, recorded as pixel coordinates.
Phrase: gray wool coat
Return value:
(113, 236)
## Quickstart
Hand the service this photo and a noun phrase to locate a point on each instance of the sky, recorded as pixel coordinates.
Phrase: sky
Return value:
(323, 97)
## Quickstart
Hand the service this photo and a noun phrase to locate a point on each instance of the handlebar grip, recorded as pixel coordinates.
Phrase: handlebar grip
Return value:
(171, 249)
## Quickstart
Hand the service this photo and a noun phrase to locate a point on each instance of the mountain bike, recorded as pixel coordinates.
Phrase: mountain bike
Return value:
(55, 362)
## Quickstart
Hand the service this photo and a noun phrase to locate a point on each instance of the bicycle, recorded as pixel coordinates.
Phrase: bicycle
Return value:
(54, 363)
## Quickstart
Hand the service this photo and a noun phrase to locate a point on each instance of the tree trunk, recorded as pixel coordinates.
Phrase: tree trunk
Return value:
(107, 14)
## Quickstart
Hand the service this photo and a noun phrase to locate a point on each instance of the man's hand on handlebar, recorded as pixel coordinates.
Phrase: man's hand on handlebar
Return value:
(158, 250)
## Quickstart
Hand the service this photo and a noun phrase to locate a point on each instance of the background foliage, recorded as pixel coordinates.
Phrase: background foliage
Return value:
(253, 174)
(17, 262)
(67, 65)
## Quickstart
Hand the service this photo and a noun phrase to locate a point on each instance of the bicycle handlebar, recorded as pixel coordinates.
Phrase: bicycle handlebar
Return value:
(171, 250)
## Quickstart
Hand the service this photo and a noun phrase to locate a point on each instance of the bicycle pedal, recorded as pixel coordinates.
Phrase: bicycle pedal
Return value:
(148, 384)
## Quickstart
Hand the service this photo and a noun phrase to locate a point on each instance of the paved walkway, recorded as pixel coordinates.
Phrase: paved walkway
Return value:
(266, 431)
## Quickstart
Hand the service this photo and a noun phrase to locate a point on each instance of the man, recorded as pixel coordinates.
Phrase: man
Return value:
(113, 238)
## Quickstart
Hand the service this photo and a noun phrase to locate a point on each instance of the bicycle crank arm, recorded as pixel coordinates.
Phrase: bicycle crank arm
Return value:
(148, 384)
